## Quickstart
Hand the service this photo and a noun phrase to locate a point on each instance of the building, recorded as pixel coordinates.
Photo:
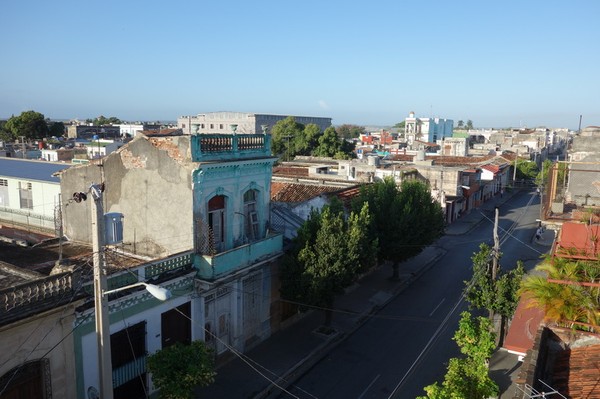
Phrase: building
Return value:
(427, 129)
(196, 209)
(245, 122)
(29, 193)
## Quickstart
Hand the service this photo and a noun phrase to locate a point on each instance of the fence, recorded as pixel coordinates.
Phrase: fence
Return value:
(572, 190)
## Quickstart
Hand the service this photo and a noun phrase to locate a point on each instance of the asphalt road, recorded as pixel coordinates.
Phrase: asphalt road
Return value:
(406, 346)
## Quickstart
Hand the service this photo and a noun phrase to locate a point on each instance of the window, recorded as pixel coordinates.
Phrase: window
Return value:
(216, 220)
(250, 214)
(25, 195)
(183, 125)
(221, 126)
(3, 192)
(212, 126)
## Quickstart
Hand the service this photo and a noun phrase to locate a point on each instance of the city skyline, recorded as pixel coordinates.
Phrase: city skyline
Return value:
(509, 64)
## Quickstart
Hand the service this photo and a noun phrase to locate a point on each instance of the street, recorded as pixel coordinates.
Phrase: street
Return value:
(407, 344)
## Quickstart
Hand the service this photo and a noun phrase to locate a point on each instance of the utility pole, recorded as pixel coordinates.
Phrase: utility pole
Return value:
(515, 170)
(495, 254)
(101, 303)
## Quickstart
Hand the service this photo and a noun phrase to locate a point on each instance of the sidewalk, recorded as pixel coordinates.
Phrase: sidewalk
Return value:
(290, 352)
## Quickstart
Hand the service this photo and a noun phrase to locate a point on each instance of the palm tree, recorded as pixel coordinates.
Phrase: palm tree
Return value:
(561, 292)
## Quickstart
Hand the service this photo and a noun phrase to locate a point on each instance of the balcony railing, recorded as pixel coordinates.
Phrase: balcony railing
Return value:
(224, 263)
(36, 295)
(211, 147)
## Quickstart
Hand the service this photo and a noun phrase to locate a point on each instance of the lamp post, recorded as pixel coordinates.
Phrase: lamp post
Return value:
(101, 293)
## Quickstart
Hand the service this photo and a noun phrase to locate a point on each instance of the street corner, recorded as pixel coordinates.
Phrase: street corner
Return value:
(545, 238)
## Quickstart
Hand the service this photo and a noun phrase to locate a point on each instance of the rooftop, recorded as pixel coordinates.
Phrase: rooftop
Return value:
(31, 170)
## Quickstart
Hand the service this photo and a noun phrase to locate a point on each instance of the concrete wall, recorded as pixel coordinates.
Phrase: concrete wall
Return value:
(34, 339)
(148, 186)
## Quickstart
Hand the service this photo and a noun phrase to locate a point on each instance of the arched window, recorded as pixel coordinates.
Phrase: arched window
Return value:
(250, 214)
(216, 220)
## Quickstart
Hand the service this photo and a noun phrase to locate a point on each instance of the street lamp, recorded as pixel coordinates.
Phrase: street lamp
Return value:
(101, 293)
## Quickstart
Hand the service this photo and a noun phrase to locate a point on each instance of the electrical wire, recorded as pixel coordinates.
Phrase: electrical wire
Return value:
(241, 356)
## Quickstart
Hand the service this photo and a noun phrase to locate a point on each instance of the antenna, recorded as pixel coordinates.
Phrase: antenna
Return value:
(530, 392)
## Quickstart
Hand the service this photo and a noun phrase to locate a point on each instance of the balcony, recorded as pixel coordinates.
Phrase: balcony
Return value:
(220, 147)
(224, 263)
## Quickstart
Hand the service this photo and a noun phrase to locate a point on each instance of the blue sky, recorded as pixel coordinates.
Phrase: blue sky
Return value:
(499, 64)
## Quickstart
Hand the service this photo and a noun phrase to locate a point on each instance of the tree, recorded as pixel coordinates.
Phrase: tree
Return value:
(469, 125)
(406, 219)
(400, 125)
(347, 131)
(326, 257)
(329, 144)
(29, 124)
(526, 170)
(283, 135)
(567, 303)
(460, 124)
(497, 294)
(178, 369)
(103, 121)
(467, 377)
(57, 129)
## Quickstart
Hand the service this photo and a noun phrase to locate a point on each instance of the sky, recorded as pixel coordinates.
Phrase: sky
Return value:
(497, 63)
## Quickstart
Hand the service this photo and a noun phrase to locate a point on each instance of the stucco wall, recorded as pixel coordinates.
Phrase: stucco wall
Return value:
(34, 339)
(150, 185)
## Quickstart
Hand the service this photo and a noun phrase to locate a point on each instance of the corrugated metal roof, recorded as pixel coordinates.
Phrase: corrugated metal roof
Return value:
(31, 170)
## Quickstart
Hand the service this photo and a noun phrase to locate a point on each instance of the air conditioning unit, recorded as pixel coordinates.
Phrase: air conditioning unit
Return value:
(113, 228)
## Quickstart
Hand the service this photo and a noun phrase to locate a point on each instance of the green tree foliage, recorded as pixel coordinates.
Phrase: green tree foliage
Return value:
(56, 129)
(178, 369)
(460, 124)
(566, 304)
(526, 169)
(400, 125)
(469, 125)
(347, 131)
(326, 256)
(30, 124)
(290, 138)
(103, 121)
(467, 377)
(406, 219)
(499, 295)
(283, 135)
(329, 143)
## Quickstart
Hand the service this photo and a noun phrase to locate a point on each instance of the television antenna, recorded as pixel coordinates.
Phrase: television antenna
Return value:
(530, 392)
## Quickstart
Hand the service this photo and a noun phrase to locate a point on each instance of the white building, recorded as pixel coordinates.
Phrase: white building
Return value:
(29, 193)
(101, 148)
(246, 123)
(427, 129)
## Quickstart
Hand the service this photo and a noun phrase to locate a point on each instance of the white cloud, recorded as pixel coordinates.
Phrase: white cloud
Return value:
(323, 104)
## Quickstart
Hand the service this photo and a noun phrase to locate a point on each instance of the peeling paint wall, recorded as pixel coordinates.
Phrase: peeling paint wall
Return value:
(149, 182)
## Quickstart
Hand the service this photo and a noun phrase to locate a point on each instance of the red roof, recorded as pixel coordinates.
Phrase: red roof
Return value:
(523, 327)
(492, 168)
(578, 241)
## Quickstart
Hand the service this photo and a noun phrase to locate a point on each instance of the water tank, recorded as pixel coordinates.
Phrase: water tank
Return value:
(373, 160)
(113, 228)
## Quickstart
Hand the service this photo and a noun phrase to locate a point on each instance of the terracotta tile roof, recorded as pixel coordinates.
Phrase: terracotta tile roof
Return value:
(290, 171)
(492, 168)
(577, 372)
(163, 132)
(578, 241)
(297, 192)
(347, 195)
(458, 161)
